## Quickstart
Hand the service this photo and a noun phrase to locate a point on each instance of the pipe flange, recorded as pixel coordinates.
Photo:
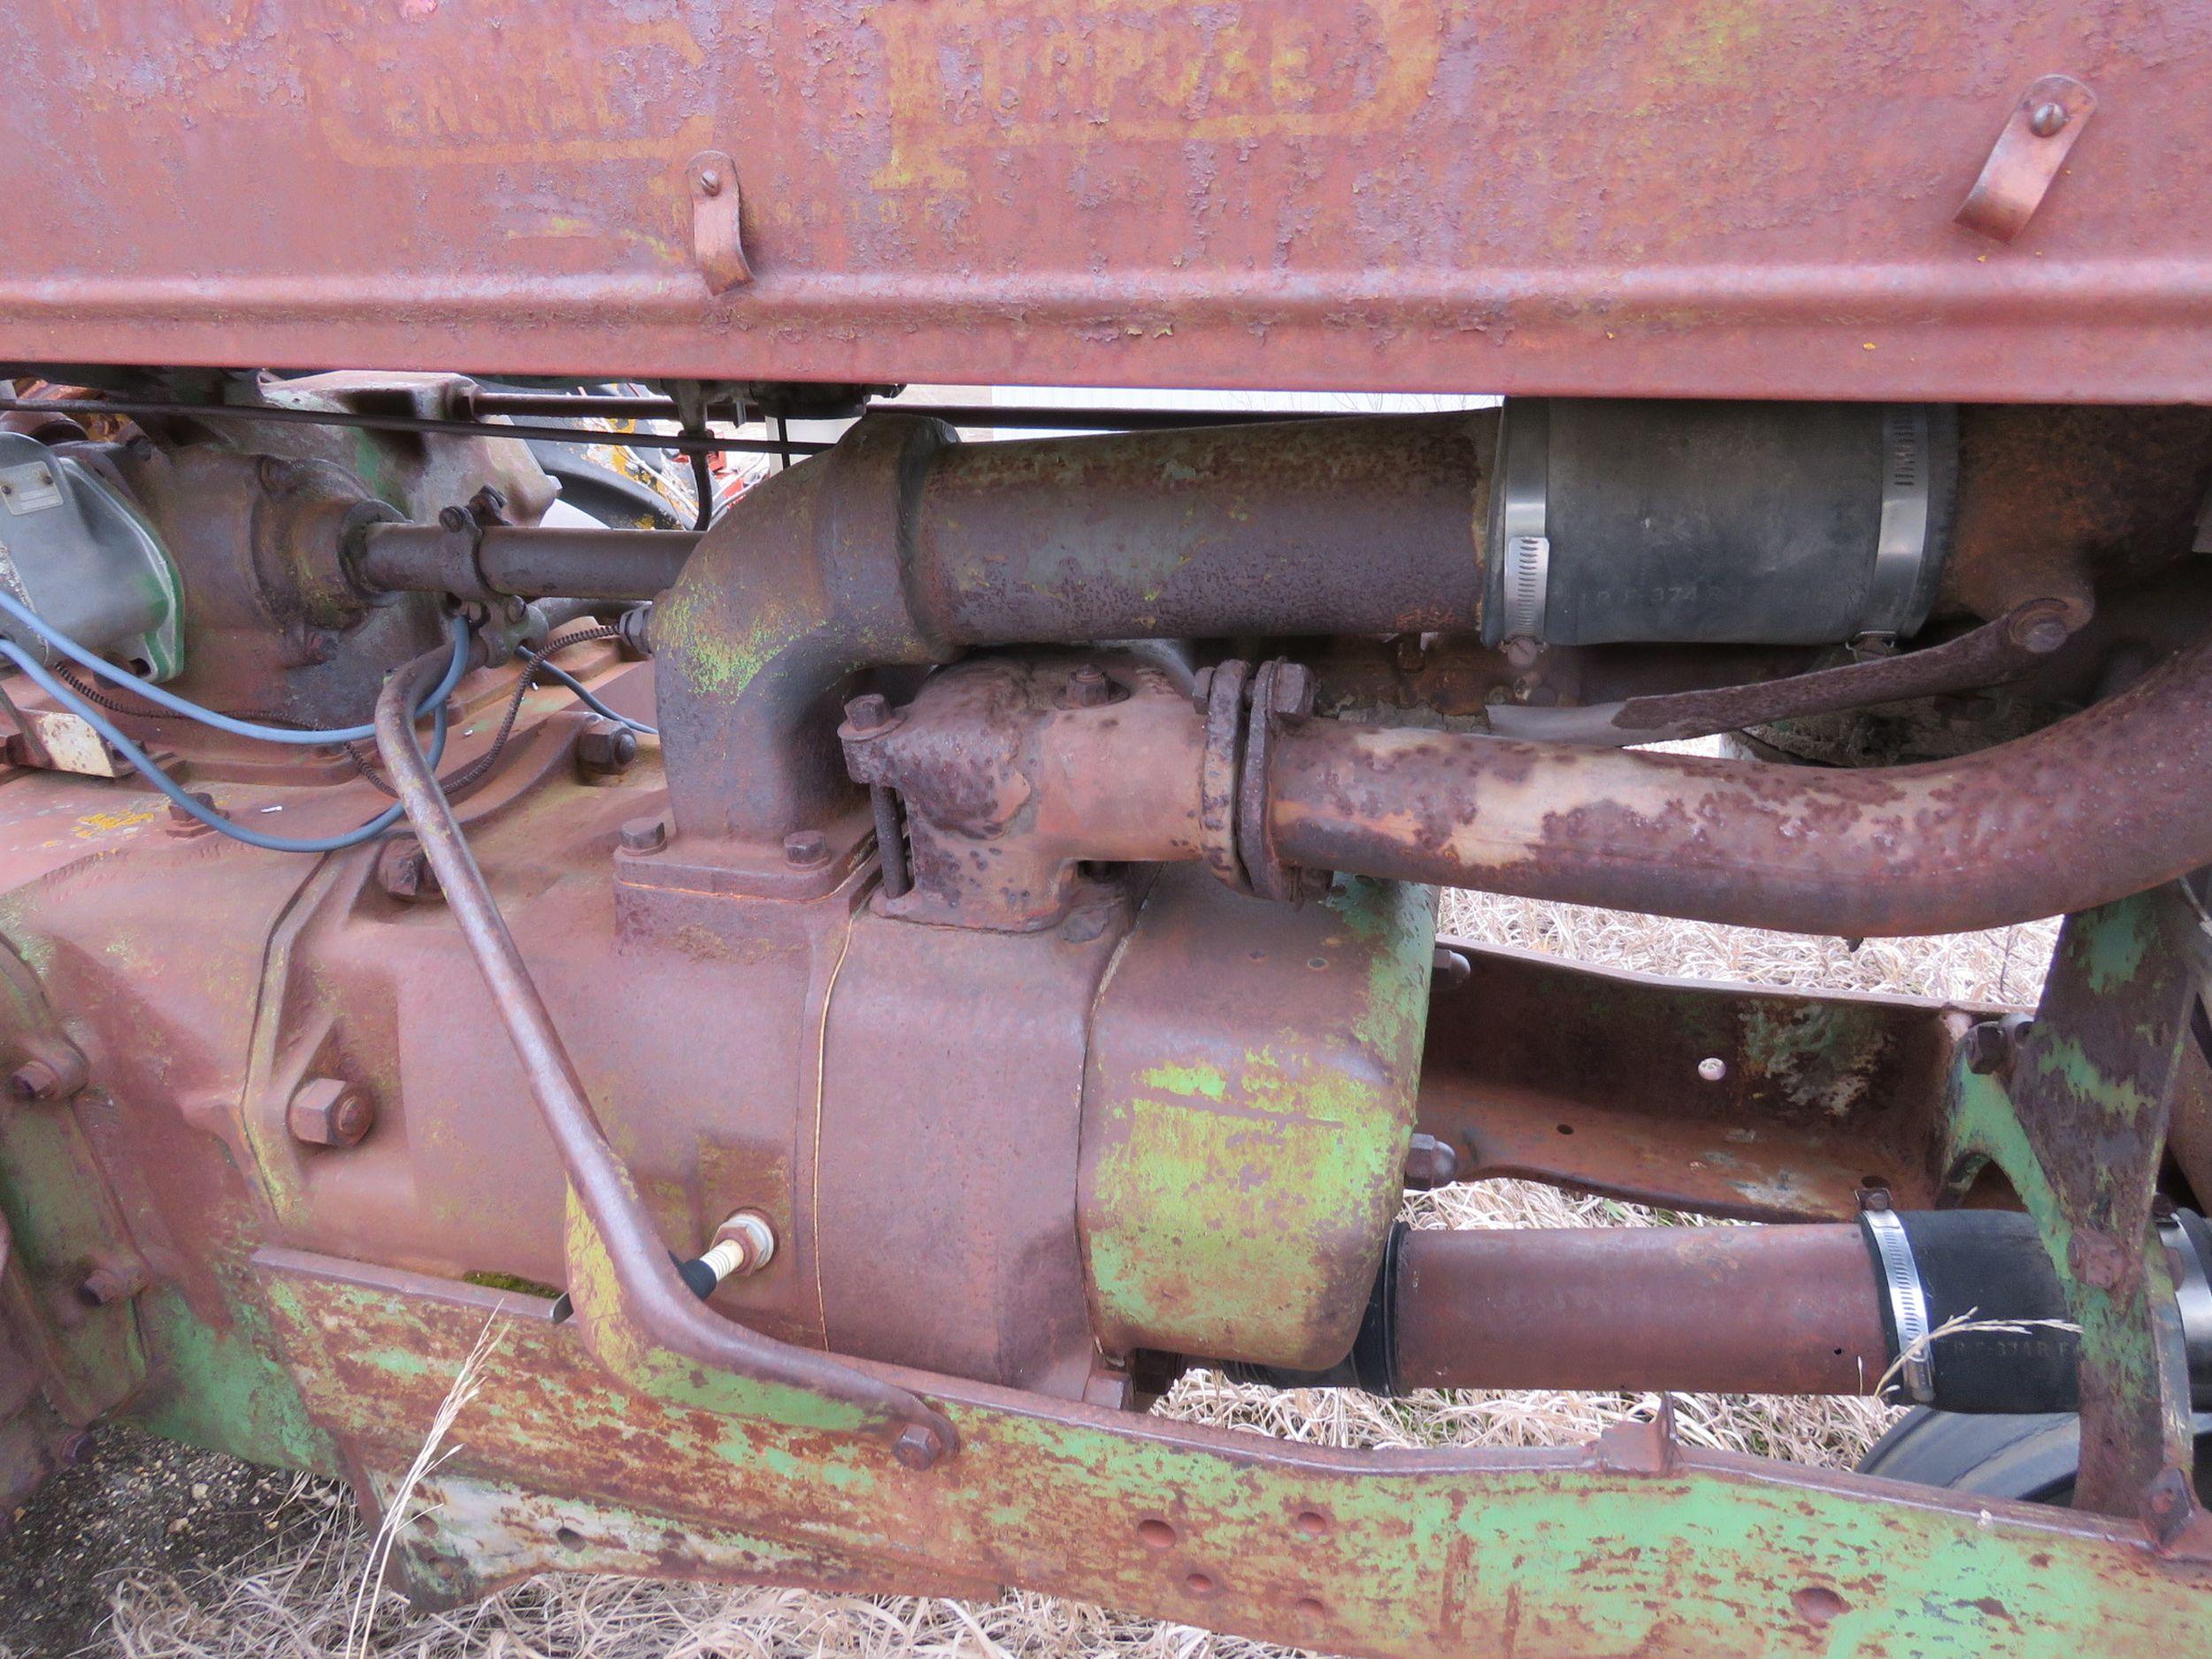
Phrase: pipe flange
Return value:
(1278, 688)
(1224, 708)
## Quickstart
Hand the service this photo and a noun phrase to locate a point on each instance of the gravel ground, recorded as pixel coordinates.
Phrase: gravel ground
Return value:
(148, 1551)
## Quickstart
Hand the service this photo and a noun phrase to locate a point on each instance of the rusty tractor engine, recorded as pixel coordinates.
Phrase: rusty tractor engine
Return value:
(799, 1007)
(962, 928)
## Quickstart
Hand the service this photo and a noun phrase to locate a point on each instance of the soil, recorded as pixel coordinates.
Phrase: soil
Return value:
(135, 1507)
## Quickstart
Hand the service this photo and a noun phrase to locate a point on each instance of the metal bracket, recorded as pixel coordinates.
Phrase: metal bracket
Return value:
(2042, 131)
(718, 246)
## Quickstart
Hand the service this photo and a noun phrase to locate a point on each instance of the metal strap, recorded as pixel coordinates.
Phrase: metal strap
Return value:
(1900, 546)
(1907, 1302)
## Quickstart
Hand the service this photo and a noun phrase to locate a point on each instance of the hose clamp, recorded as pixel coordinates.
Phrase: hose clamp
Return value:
(1907, 1302)
(1901, 543)
(1523, 517)
(2193, 1298)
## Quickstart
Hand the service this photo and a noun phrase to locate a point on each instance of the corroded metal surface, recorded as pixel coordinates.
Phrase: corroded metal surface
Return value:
(1784, 1310)
(2076, 1118)
(1657, 199)
(2096, 807)
(1246, 1113)
(1770, 1105)
(1631, 1546)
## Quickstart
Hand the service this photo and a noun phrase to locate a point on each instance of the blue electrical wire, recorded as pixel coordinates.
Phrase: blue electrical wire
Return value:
(185, 706)
(207, 815)
(546, 665)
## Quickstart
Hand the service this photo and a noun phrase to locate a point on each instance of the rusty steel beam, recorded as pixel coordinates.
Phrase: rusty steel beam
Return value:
(1777, 1311)
(2103, 804)
(1410, 197)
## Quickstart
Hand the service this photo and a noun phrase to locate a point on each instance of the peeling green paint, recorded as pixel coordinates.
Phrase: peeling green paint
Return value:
(1236, 1193)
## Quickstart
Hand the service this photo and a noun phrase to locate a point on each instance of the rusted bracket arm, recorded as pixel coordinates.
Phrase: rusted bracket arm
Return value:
(2077, 1124)
(637, 1315)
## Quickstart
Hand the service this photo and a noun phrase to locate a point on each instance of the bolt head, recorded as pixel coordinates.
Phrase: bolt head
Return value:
(806, 849)
(710, 182)
(643, 835)
(918, 1447)
(35, 1081)
(870, 714)
(1988, 1048)
(404, 870)
(605, 749)
(327, 1112)
(1088, 687)
(2047, 120)
(1430, 1163)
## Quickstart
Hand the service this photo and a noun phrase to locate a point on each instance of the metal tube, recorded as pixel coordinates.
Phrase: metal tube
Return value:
(533, 562)
(2110, 801)
(647, 1296)
(1777, 1311)
(1356, 526)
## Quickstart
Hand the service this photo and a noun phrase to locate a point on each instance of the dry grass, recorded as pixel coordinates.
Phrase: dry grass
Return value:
(295, 1602)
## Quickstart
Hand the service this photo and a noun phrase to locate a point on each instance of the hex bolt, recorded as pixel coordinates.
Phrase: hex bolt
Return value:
(917, 1445)
(643, 835)
(1088, 687)
(1430, 1163)
(402, 870)
(806, 849)
(184, 824)
(870, 715)
(2047, 120)
(605, 749)
(48, 1076)
(1988, 1047)
(110, 1283)
(325, 1112)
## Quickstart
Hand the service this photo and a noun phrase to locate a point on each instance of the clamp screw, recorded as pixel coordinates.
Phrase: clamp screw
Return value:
(2047, 120)
(710, 182)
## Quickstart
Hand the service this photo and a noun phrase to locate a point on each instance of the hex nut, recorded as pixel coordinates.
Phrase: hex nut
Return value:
(325, 1112)
(1988, 1047)
(110, 1283)
(605, 749)
(56, 1073)
(1430, 1163)
(403, 872)
(870, 715)
(1088, 687)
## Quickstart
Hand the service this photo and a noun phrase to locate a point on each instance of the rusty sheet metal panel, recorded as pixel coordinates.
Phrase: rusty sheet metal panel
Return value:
(1245, 1122)
(1659, 198)
(1731, 1100)
(1632, 1544)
